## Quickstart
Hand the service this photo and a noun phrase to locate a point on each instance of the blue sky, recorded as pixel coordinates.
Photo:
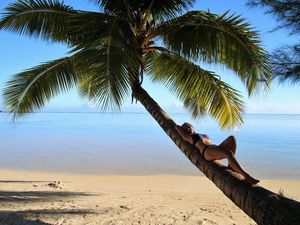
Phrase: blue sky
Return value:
(20, 53)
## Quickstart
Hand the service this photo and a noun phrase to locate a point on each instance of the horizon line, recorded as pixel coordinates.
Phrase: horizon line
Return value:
(140, 113)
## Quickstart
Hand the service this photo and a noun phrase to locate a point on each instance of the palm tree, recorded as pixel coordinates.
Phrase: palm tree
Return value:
(111, 51)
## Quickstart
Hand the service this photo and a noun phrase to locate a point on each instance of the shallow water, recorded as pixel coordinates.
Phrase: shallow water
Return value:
(128, 143)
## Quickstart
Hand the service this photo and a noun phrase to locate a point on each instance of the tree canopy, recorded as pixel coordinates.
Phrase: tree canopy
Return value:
(113, 48)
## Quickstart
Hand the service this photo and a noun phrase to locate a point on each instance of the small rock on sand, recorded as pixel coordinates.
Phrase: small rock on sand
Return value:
(55, 184)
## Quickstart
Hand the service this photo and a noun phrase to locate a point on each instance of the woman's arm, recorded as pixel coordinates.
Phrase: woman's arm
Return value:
(186, 137)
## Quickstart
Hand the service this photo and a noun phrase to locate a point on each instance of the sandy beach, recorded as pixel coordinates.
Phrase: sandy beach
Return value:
(36, 198)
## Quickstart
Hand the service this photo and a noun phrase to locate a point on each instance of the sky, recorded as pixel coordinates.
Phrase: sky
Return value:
(18, 53)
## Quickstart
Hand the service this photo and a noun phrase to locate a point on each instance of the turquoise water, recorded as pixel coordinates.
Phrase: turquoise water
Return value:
(268, 145)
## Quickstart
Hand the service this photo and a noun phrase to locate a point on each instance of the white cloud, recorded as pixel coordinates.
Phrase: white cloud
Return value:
(177, 105)
(91, 105)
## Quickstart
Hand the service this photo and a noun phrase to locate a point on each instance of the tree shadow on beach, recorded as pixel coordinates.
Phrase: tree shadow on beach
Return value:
(18, 207)
(24, 181)
(32, 217)
(34, 196)
(9, 218)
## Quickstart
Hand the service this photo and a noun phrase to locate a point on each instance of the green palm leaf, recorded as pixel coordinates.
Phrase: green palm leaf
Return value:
(54, 21)
(106, 72)
(223, 39)
(30, 89)
(108, 80)
(201, 91)
(93, 30)
(159, 9)
(169, 8)
(103, 51)
(45, 19)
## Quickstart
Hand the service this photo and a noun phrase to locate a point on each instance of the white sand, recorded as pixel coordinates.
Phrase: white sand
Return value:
(34, 198)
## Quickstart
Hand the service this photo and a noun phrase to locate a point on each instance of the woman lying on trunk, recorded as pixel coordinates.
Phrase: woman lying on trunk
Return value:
(211, 152)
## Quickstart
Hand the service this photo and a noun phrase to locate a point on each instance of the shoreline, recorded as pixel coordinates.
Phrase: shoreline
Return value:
(40, 198)
(285, 176)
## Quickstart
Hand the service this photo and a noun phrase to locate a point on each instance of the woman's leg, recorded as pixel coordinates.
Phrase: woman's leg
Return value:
(217, 153)
(229, 144)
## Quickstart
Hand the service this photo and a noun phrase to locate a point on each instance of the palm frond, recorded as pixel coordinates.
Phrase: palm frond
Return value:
(159, 9)
(30, 89)
(107, 70)
(44, 19)
(107, 82)
(90, 31)
(169, 8)
(52, 21)
(227, 40)
(201, 91)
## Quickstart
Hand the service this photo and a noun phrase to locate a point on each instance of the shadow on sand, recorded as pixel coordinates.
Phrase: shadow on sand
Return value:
(31, 217)
(34, 196)
(24, 181)
(21, 199)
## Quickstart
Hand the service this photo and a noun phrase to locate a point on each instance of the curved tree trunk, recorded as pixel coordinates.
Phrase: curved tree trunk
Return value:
(262, 205)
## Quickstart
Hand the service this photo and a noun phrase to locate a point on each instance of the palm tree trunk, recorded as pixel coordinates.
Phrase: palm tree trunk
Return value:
(262, 205)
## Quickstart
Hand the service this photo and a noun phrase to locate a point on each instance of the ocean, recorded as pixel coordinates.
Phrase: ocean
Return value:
(134, 144)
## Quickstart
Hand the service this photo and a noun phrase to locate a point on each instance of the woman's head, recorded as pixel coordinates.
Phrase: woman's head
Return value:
(188, 128)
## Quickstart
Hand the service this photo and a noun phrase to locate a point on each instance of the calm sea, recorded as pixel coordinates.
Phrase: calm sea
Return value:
(129, 143)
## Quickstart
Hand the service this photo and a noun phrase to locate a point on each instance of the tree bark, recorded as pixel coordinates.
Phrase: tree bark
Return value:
(262, 205)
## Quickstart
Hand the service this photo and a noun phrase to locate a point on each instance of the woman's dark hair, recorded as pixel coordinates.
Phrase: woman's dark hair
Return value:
(187, 124)
(186, 131)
